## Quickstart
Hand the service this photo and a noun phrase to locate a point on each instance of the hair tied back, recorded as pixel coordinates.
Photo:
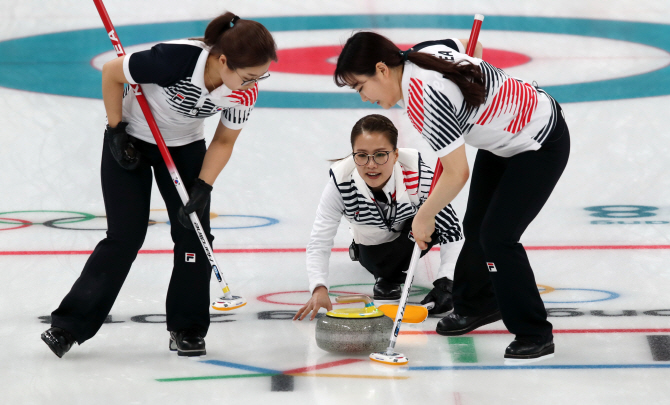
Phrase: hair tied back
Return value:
(405, 54)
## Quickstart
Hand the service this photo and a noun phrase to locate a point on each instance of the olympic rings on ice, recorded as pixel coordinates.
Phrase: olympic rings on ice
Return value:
(266, 297)
(609, 295)
(421, 291)
(416, 290)
(13, 220)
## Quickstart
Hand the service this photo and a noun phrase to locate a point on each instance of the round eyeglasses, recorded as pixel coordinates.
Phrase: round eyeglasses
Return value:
(256, 80)
(380, 157)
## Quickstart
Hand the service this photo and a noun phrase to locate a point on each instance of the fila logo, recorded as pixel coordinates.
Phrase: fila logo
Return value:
(492, 267)
(190, 257)
(178, 98)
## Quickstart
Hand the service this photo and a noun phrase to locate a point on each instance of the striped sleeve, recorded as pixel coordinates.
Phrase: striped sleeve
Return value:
(448, 226)
(434, 116)
(237, 116)
(426, 178)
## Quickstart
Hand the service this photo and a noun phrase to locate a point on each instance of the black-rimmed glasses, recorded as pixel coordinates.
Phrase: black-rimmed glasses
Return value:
(380, 157)
(256, 80)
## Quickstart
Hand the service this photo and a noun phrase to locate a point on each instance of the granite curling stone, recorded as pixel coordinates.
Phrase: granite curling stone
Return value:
(354, 330)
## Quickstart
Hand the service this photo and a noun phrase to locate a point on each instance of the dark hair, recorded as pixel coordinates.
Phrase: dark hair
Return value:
(245, 43)
(364, 50)
(378, 124)
(373, 123)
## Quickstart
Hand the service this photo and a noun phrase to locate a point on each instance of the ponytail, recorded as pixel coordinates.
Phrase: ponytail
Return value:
(245, 43)
(364, 50)
(217, 27)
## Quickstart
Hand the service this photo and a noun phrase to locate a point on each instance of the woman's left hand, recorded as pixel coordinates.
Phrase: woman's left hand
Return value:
(422, 228)
(199, 196)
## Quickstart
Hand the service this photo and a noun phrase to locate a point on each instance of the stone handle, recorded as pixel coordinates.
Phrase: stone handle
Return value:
(346, 299)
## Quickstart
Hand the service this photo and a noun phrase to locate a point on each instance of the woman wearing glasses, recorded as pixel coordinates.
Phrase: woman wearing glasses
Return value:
(524, 144)
(184, 83)
(379, 189)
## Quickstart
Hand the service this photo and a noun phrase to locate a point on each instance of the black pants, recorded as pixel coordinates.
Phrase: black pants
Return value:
(506, 194)
(391, 260)
(127, 196)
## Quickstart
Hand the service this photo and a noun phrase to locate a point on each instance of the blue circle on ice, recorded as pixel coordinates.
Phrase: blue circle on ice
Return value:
(60, 63)
(256, 221)
(609, 296)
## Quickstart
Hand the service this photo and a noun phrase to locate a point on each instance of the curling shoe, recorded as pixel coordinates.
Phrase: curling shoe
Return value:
(455, 325)
(386, 290)
(187, 342)
(523, 351)
(59, 340)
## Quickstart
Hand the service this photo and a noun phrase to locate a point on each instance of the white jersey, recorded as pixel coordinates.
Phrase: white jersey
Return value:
(172, 79)
(516, 117)
(372, 223)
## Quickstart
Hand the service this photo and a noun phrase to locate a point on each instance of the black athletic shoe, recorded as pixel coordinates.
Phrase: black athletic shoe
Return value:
(441, 296)
(187, 342)
(386, 290)
(59, 340)
(523, 351)
(455, 325)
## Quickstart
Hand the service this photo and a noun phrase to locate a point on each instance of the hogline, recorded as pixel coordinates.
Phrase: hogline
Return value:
(337, 250)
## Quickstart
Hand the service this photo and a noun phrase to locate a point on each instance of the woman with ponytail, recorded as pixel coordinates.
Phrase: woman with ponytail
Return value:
(452, 100)
(184, 82)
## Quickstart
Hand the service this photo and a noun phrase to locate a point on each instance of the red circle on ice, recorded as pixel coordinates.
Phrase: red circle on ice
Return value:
(266, 297)
(21, 223)
(321, 60)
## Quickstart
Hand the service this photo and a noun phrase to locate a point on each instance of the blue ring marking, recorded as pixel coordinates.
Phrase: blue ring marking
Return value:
(241, 366)
(271, 221)
(65, 69)
(544, 367)
(611, 296)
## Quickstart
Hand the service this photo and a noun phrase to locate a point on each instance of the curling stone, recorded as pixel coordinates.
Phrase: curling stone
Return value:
(354, 330)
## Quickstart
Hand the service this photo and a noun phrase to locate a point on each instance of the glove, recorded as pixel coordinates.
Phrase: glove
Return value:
(121, 146)
(441, 296)
(199, 195)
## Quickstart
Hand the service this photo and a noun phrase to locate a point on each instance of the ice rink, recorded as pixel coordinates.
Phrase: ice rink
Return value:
(600, 248)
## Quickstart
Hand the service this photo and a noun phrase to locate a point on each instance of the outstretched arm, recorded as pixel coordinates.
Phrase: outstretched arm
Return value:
(328, 217)
(218, 153)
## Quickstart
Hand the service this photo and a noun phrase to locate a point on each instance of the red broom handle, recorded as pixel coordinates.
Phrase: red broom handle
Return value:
(472, 43)
(137, 89)
(474, 34)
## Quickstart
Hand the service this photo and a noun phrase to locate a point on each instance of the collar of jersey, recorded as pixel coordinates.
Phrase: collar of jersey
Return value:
(395, 185)
(219, 94)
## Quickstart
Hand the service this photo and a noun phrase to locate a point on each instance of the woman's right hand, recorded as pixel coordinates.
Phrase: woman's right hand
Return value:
(319, 299)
